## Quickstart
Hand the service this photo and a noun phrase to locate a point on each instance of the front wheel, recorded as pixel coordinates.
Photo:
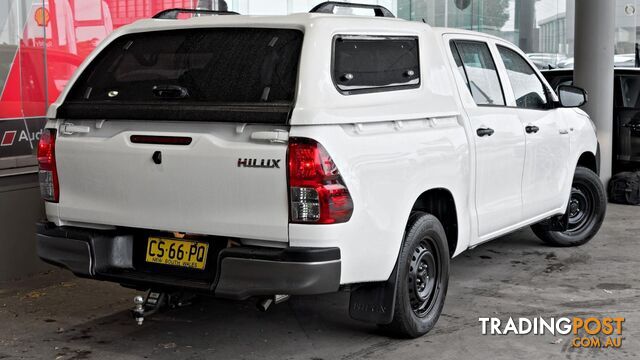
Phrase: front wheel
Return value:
(423, 277)
(585, 212)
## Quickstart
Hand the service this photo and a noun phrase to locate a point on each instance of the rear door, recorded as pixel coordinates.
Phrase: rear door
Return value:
(182, 130)
(499, 139)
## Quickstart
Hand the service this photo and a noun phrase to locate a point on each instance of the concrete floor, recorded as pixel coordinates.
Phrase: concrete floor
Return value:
(56, 316)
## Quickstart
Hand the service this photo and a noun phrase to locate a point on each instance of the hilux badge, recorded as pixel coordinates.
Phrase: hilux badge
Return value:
(259, 163)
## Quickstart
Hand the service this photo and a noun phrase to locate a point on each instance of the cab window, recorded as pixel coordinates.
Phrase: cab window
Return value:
(479, 71)
(456, 57)
(528, 90)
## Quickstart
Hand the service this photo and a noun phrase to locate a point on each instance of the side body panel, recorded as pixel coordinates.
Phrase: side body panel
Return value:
(386, 167)
(583, 137)
(390, 148)
(499, 166)
(549, 162)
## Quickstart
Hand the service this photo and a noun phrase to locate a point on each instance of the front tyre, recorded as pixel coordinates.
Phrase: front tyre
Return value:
(423, 266)
(586, 210)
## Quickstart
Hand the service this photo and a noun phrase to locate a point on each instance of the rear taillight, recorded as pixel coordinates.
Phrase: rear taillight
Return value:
(317, 193)
(48, 173)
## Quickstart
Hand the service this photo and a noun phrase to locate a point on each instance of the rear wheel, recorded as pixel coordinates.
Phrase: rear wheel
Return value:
(585, 212)
(423, 277)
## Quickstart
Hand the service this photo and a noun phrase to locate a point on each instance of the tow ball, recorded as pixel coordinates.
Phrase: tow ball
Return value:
(157, 301)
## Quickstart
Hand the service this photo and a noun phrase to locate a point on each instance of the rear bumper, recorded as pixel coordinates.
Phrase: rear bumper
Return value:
(239, 272)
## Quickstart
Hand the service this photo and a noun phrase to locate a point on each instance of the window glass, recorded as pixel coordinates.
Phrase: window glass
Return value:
(565, 82)
(481, 71)
(527, 87)
(456, 57)
(557, 80)
(205, 66)
(630, 89)
(370, 63)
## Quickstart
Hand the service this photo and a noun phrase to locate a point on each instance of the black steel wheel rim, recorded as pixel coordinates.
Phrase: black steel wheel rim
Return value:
(581, 208)
(423, 277)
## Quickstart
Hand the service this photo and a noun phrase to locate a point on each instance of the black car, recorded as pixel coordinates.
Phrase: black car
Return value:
(626, 114)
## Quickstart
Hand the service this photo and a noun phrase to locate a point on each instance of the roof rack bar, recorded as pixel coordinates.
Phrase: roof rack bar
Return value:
(173, 13)
(328, 7)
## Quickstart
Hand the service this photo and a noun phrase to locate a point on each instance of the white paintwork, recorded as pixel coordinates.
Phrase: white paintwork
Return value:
(390, 147)
(105, 179)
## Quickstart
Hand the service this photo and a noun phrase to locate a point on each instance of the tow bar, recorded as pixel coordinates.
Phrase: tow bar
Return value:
(157, 301)
(264, 303)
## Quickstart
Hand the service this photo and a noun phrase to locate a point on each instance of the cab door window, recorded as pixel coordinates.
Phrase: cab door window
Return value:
(479, 71)
(528, 90)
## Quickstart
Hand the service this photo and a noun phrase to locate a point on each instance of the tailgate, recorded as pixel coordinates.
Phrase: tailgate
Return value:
(205, 187)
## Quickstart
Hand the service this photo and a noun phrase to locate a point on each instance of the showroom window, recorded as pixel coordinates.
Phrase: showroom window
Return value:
(369, 64)
(480, 72)
(630, 88)
(543, 29)
(528, 90)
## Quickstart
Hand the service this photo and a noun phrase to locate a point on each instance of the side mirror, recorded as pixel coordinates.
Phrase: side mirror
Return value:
(571, 96)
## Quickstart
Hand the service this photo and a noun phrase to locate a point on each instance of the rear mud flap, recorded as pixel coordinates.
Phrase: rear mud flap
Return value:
(375, 302)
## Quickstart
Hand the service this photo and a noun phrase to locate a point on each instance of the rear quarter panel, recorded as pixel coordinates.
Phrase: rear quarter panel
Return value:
(386, 167)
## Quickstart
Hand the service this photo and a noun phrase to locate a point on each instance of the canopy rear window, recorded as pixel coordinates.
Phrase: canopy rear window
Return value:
(375, 63)
(218, 74)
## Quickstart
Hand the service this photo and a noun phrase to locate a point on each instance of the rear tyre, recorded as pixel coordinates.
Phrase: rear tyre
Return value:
(586, 210)
(423, 277)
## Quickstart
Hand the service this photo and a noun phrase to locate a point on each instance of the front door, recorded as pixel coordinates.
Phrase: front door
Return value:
(546, 174)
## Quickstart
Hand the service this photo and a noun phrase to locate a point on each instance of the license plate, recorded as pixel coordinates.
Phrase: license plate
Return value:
(177, 252)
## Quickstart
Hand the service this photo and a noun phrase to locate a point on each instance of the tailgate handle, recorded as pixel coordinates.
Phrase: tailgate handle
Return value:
(69, 129)
(277, 136)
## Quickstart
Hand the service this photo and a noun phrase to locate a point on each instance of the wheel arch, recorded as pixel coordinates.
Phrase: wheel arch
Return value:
(590, 160)
(440, 203)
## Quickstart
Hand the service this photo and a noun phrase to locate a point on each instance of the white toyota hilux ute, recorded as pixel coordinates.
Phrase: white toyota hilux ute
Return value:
(255, 156)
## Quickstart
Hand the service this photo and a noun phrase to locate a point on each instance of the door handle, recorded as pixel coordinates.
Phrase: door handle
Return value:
(531, 129)
(485, 132)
